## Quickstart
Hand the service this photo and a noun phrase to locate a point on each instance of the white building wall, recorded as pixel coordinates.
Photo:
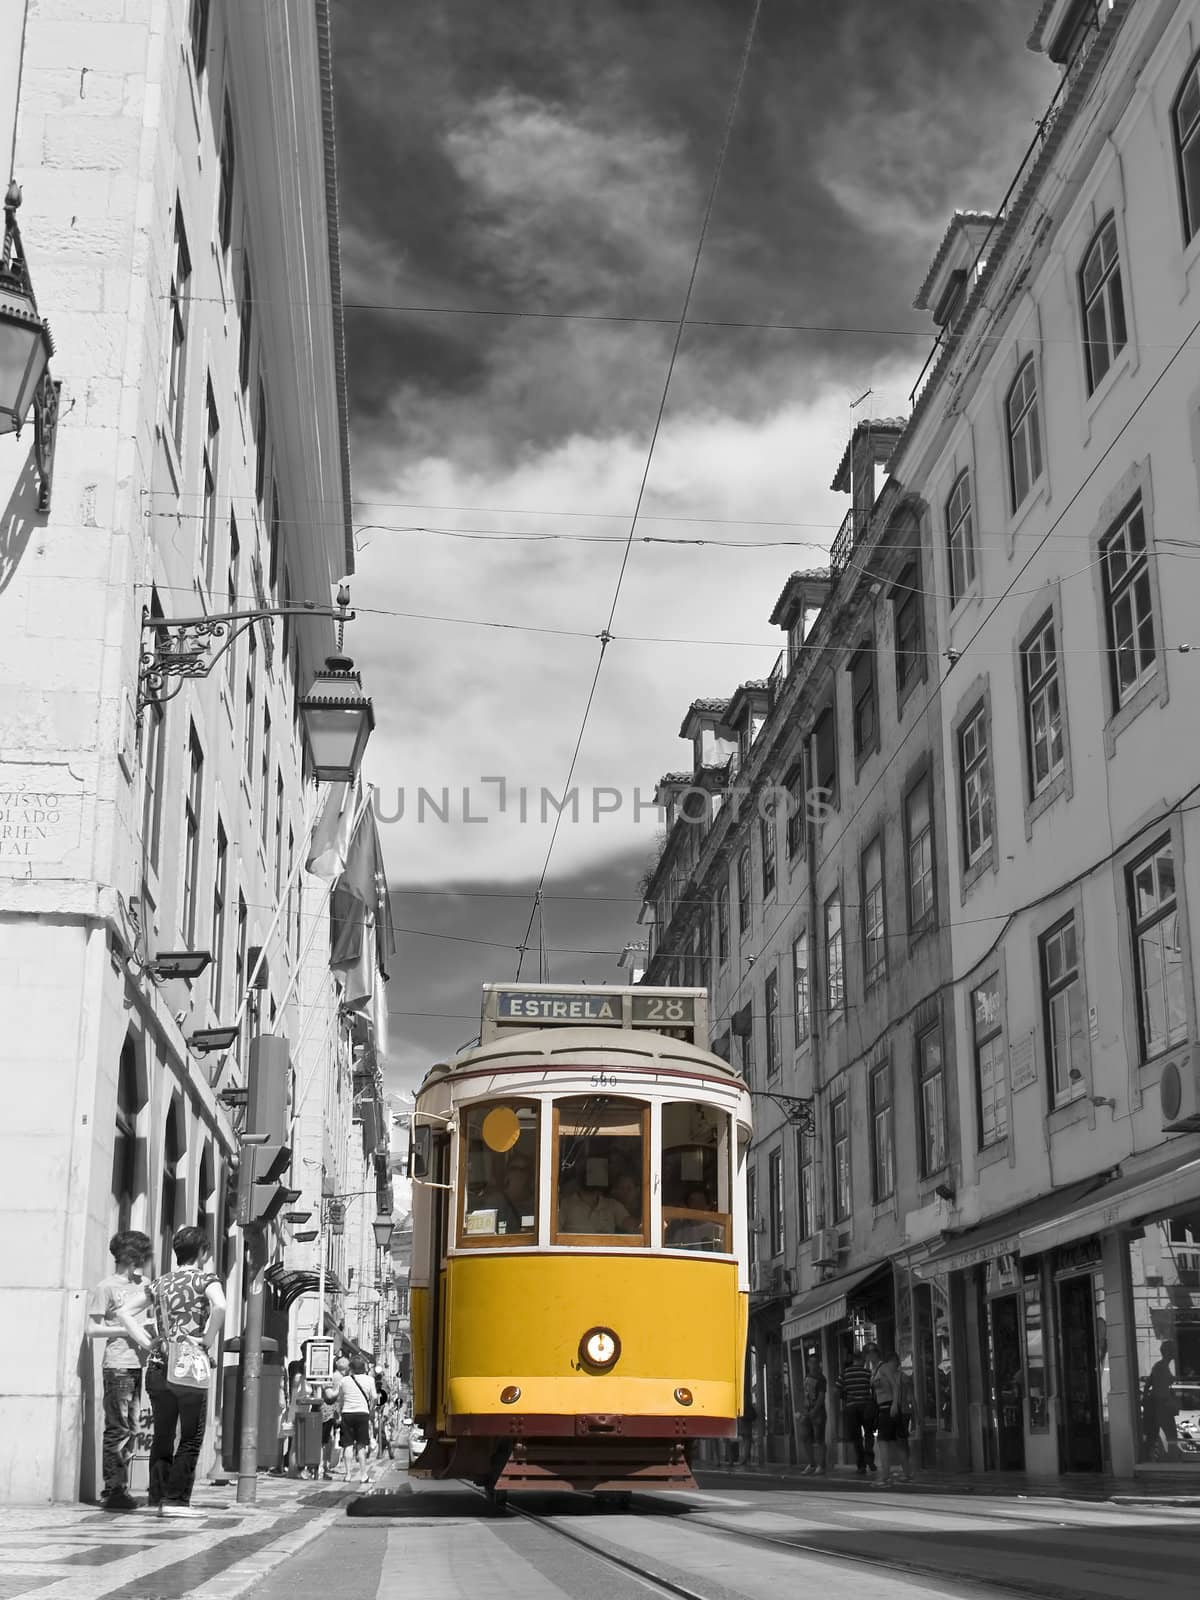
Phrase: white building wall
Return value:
(115, 126)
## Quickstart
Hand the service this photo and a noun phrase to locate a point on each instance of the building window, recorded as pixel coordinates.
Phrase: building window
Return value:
(208, 487)
(191, 837)
(775, 1192)
(240, 954)
(723, 923)
(227, 162)
(960, 538)
(800, 991)
(825, 733)
(1104, 332)
(873, 921)
(219, 904)
(908, 626)
(246, 328)
(173, 1190)
(231, 593)
(883, 1177)
(251, 690)
(835, 974)
(279, 835)
(1157, 950)
(1186, 119)
(1024, 433)
(991, 1084)
(127, 1154)
(806, 1195)
(260, 444)
(1043, 707)
(1062, 1011)
(794, 784)
(766, 839)
(743, 888)
(976, 781)
(862, 693)
(771, 1001)
(932, 1081)
(198, 34)
(180, 310)
(918, 825)
(274, 540)
(840, 1120)
(748, 1052)
(1128, 605)
(265, 792)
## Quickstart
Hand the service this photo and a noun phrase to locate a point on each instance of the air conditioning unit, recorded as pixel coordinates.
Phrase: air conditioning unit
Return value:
(780, 1281)
(1179, 1092)
(825, 1247)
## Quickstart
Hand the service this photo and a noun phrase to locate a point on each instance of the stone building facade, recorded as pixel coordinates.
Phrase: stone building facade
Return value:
(1030, 1054)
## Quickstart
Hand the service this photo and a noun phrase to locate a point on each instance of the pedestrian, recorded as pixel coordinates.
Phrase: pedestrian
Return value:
(906, 1426)
(330, 1398)
(1163, 1403)
(191, 1312)
(885, 1388)
(812, 1417)
(356, 1407)
(858, 1406)
(120, 1314)
(383, 1418)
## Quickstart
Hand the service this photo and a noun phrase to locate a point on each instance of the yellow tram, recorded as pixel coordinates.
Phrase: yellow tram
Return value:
(579, 1273)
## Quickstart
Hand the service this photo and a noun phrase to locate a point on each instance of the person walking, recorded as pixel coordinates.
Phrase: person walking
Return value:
(858, 1407)
(191, 1311)
(906, 1426)
(356, 1406)
(885, 1387)
(812, 1417)
(120, 1315)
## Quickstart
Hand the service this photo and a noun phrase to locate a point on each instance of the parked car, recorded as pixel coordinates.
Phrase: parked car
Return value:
(1187, 1417)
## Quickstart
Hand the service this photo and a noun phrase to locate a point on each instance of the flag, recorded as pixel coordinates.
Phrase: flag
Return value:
(363, 939)
(331, 836)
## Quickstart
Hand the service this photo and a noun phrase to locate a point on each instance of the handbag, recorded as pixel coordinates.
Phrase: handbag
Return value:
(188, 1367)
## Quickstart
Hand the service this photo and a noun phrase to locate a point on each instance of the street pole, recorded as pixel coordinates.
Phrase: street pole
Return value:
(321, 1268)
(252, 1333)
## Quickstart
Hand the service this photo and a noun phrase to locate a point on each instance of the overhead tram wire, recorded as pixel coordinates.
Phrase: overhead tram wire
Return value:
(606, 634)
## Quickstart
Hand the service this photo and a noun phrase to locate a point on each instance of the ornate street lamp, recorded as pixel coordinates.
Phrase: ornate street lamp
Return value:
(383, 1227)
(338, 718)
(26, 346)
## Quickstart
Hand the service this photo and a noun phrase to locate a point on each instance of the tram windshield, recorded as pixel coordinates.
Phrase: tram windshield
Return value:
(695, 1177)
(601, 1149)
(500, 1173)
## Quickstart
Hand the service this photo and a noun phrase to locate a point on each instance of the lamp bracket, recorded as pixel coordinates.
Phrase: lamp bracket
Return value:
(178, 647)
(797, 1110)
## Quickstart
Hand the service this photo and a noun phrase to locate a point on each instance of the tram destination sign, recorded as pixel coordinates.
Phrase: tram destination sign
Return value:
(680, 1013)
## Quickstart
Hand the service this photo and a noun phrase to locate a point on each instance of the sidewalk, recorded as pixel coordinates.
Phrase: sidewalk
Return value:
(1175, 1489)
(79, 1552)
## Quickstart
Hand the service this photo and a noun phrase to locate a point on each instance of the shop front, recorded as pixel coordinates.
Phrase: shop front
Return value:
(923, 1329)
(985, 1308)
(1124, 1271)
(834, 1321)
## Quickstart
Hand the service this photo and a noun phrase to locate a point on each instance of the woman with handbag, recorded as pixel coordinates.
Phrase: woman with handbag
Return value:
(191, 1312)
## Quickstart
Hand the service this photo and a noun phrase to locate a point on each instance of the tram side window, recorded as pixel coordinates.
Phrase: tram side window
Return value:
(499, 1178)
(696, 1183)
(600, 1167)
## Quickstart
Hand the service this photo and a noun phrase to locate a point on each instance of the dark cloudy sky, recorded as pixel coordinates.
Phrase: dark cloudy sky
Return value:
(550, 160)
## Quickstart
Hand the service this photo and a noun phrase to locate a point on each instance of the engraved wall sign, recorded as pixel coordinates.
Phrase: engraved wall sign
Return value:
(41, 813)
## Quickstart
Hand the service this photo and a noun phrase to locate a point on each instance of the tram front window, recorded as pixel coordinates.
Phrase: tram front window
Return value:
(696, 1178)
(499, 1183)
(600, 1165)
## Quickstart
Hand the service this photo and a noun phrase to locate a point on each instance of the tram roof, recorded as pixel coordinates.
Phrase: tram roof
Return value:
(616, 1047)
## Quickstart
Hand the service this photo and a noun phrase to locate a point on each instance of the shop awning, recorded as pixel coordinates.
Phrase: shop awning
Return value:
(289, 1283)
(1170, 1185)
(1001, 1235)
(827, 1303)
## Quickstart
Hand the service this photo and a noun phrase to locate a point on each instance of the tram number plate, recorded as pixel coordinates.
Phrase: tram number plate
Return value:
(604, 1080)
(663, 1011)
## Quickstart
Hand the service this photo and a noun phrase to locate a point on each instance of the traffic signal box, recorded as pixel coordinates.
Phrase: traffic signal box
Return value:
(263, 1180)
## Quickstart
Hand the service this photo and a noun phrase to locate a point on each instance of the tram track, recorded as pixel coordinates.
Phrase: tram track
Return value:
(959, 1581)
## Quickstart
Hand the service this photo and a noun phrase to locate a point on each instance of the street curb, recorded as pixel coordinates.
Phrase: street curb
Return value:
(968, 1486)
(245, 1573)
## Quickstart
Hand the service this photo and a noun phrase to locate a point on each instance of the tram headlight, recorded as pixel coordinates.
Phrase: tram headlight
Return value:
(510, 1395)
(600, 1349)
(683, 1396)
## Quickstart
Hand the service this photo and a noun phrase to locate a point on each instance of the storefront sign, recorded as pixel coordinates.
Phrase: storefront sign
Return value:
(1081, 1257)
(1023, 1063)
